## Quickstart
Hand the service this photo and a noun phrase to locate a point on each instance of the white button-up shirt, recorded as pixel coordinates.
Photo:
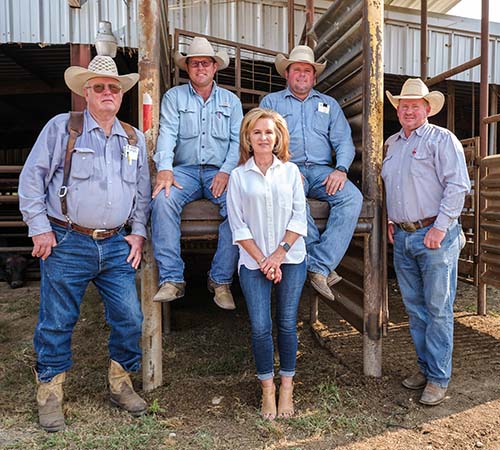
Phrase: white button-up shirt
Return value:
(263, 207)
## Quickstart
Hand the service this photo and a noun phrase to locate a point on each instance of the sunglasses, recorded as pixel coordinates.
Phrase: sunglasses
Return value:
(203, 63)
(99, 88)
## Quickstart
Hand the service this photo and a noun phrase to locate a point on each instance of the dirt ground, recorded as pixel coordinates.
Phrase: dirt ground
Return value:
(210, 398)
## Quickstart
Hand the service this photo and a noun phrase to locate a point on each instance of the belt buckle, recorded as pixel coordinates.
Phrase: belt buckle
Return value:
(96, 232)
(409, 227)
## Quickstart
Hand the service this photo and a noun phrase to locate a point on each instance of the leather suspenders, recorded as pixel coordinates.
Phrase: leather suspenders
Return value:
(75, 128)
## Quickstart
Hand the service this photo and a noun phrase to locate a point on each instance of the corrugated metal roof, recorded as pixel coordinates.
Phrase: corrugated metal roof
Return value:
(439, 6)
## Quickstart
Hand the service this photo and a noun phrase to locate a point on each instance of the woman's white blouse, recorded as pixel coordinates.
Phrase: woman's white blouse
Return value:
(263, 207)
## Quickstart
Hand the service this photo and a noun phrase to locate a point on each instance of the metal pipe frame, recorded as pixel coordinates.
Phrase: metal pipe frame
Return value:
(423, 39)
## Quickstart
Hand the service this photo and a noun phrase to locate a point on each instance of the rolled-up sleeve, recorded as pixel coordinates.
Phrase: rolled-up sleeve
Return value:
(298, 221)
(239, 228)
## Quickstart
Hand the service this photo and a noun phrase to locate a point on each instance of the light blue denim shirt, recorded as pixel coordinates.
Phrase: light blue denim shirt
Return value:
(425, 175)
(105, 189)
(195, 132)
(317, 126)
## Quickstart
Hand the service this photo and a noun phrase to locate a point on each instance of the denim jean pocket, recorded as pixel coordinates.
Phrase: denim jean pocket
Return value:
(61, 234)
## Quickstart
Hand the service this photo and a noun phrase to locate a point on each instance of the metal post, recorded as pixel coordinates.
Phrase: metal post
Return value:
(423, 39)
(149, 70)
(483, 133)
(291, 25)
(79, 56)
(309, 22)
(373, 101)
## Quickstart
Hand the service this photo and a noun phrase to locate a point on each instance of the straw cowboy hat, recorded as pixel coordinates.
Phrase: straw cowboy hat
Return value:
(100, 66)
(415, 88)
(201, 47)
(301, 53)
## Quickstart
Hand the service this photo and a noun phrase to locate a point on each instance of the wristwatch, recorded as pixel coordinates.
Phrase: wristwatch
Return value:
(285, 246)
(341, 169)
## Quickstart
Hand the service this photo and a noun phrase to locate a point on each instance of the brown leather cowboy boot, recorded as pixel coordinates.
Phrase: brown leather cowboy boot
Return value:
(122, 391)
(49, 398)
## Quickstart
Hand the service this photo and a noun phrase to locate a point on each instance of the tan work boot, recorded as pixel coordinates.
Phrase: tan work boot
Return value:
(223, 297)
(416, 381)
(49, 398)
(169, 291)
(333, 278)
(319, 283)
(433, 394)
(122, 392)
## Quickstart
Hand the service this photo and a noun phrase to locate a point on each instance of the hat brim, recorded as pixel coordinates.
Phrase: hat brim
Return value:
(434, 98)
(76, 77)
(221, 58)
(282, 62)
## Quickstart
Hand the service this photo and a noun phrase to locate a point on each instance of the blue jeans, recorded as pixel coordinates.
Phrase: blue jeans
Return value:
(166, 226)
(428, 282)
(65, 274)
(257, 291)
(325, 251)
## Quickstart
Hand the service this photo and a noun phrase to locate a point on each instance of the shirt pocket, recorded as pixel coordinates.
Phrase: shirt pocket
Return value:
(82, 163)
(188, 123)
(221, 123)
(321, 122)
(129, 171)
(421, 164)
(285, 196)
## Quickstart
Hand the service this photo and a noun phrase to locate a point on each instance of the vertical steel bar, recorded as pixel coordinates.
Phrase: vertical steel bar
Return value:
(291, 25)
(483, 133)
(492, 134)
(309, 22)
(374, 254)
(450, 107)
(149, 70)
(423, 39)
(79, 56)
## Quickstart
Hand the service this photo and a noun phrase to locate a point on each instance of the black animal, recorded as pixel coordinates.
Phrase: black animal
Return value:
(13, 268)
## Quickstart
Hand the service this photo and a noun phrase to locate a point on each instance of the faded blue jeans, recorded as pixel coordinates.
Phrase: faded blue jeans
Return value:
(166, 226)
(428, 282)
(325, 251)
(257, 291)
(65, 274)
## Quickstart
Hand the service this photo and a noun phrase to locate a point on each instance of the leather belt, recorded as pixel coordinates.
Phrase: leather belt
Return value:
(95, 233)
(411, 227)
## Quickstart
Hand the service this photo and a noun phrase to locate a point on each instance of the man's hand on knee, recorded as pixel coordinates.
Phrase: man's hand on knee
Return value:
(219, 184)
(42, 244)
(164, 180)
(334, 182)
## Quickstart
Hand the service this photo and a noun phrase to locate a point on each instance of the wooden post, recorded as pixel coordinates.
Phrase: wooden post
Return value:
(149, 70)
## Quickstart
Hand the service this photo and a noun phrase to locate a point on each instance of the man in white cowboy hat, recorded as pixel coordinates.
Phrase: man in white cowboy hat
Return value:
(318, 128)
(197, 147)
(426, 181)
(87, 217)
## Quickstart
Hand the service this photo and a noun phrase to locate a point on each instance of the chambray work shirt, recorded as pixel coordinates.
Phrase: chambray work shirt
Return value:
(425, 175)
(195, 132)
(104, 189)
(317, 126)
(263, 207)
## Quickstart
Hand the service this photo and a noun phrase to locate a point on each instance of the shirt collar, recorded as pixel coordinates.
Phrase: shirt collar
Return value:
(418, 131)
(251, 165)
(212, 93)
(312, 93)
(92, 125)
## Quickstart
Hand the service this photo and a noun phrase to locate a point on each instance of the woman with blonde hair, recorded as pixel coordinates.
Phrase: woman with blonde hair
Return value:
(267, 214)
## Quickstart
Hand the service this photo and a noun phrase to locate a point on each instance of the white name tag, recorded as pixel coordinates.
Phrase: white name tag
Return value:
(131, 152)
(324, 108)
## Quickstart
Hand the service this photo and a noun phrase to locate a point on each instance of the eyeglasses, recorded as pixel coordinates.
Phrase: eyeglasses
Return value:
(99, 88)
(203, 63)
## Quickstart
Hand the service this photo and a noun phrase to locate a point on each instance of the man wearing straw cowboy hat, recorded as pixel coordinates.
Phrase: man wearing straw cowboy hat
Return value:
(426, 181)
(84, 185)
(197, 147)
(317, 128)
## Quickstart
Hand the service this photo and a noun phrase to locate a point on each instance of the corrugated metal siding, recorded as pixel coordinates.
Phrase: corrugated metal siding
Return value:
(54, 22)
(440, 6)
(450, 43)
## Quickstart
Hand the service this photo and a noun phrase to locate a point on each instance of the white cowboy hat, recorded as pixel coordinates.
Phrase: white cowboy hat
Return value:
(301, 53)
(415, 88)
(100, 66)
(201, 47)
